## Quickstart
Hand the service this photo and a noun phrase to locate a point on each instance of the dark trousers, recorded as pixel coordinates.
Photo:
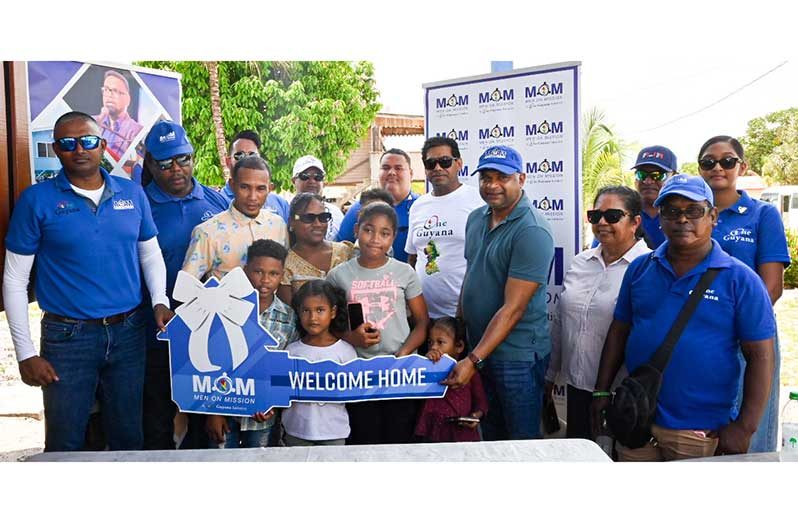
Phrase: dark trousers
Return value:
(159, 410)
(382, 422)
(578, 417)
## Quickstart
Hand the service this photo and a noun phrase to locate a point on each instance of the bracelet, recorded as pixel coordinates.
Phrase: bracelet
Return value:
(601, 394)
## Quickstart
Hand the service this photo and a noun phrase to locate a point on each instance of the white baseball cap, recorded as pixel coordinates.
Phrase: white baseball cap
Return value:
(302, 165)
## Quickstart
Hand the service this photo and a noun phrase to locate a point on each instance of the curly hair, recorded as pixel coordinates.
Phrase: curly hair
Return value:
(335, 297)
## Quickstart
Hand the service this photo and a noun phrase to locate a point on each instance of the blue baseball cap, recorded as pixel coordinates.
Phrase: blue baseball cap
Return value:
(691, 187)
(657, 155)
(167, 139)
(500, 158)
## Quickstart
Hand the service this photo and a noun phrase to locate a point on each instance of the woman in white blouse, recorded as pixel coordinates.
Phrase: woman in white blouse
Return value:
(587, 303)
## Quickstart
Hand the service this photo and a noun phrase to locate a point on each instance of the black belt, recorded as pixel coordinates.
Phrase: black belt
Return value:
(108, 320)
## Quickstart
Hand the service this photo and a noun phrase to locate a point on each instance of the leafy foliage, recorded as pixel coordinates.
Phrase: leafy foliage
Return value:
(602, 154)
(791, 274)
(771, 146)
(689, 168)
(298, 108)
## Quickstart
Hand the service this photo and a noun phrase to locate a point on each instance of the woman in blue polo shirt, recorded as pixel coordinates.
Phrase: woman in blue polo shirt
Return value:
(751, 231)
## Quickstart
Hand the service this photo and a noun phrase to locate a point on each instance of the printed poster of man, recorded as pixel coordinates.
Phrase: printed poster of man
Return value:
(125, 100)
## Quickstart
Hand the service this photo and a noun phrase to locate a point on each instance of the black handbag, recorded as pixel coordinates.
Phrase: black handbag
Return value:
(631, 412)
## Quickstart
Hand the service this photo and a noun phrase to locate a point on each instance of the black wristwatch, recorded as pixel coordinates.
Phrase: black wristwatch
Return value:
(478, 363)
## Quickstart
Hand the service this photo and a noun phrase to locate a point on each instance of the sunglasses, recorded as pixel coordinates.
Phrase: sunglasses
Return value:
(307, 176)
(444, 161)
(707, 164)
(182, 161)
(693, 212)
(610, 215)
(309, 217)
(244, 154)
(657, 176)
(70, 143)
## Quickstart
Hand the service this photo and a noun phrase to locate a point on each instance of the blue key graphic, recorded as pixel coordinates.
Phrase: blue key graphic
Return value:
(221, 364)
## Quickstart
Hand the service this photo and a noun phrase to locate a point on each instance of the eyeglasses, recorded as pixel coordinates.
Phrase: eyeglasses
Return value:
(182, 161)
(693, 212)
(657, 176)
(444, 161)
(309, 217)
(70, 143)
(244, 154)
(610, 215)
(307, 176)
(707, 164)
(112, 91)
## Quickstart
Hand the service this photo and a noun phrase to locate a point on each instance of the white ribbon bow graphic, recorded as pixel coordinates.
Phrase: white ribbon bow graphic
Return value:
(201, 304)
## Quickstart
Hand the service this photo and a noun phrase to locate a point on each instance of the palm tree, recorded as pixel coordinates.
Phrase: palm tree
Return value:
(216, 115)
(602, 153)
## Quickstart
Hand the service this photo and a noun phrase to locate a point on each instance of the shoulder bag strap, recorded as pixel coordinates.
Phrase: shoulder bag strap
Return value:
(663, 355)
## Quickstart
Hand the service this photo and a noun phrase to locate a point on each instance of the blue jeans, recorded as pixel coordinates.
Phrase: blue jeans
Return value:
(87, 356)
(245, 439)
(766, 435)
(515, 398)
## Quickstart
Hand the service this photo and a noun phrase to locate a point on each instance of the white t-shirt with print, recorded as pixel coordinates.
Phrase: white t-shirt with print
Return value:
(335, 223)
(318, 421)
(436, 236)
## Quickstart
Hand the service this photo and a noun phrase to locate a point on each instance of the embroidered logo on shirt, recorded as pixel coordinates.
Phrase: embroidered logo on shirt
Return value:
(207, 215)
(123, 205)
(741, 234)
(65, 207)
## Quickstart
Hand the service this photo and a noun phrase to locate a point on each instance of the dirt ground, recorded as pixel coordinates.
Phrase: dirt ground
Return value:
(22, 436)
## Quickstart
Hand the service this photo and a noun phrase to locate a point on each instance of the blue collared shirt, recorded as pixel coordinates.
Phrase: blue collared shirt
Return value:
(176, 218)
(521, 247)
(347, 230)
(699, 384)
(651, 225)
(752, 231)
(274, 202)
(87, 258)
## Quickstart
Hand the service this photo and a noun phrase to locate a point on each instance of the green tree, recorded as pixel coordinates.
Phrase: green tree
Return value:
(602, 154)
(298, 108)
(767, 133)
(689, 168)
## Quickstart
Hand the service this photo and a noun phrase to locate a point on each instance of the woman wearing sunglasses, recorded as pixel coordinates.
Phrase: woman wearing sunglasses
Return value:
(751, 231)
(311, 256)
(587, 302)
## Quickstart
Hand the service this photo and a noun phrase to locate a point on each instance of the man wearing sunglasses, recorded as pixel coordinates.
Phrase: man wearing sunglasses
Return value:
(92, 236)
(245, 144)
(119, 128)
(509, 247)
(654, 165)
(696, 405)
(395, 177)
(179, 203)
(308, 176)
(436, 232)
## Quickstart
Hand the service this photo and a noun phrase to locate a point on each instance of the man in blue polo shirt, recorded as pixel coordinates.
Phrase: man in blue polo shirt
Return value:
(245, 144)
(92, 236)
(179, 203)
(395, 177)
(509, 247)
(696, 405)
(654, 165)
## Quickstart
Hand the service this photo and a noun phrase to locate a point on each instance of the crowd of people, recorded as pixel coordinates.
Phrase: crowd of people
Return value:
(458, 271)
